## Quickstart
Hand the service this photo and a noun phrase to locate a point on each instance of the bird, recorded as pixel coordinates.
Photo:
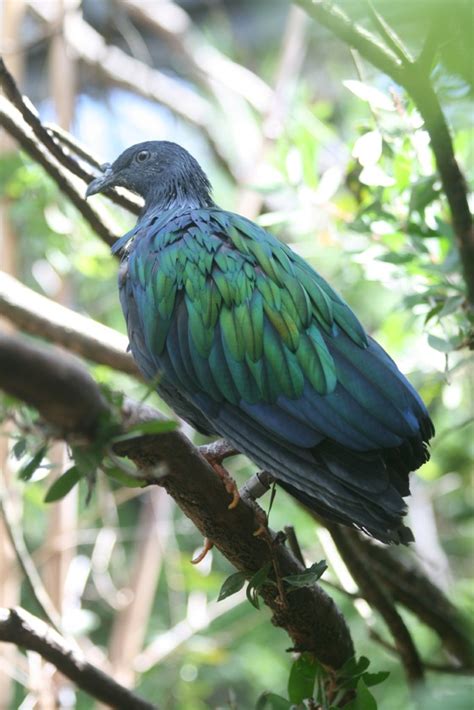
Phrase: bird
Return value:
(246, 341)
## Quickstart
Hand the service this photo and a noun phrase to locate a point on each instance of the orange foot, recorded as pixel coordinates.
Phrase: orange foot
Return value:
(214, 454)
(208, 545)
(262, 520)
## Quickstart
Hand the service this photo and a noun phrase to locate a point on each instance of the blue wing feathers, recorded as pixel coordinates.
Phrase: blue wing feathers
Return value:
(254, 345)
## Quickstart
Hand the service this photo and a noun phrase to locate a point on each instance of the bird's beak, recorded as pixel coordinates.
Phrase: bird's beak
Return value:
(102, 182)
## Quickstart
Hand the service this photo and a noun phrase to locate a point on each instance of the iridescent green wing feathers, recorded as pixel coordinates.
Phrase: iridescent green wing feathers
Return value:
(242, 316)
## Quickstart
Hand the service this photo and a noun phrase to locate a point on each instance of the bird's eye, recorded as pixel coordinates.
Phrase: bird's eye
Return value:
(143, 155)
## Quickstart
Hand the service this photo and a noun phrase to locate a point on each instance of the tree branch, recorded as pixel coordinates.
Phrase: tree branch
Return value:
(377, 597)
(134, 75)
(62, 391)
(206, 62)
(47, 139)
(410, 587)
(37, 315)
(12, 122)
(21, 628)
(53, 382)
(414, 78)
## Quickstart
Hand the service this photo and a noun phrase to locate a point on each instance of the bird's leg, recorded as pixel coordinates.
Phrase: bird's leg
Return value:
(214, 454)
(254, 488)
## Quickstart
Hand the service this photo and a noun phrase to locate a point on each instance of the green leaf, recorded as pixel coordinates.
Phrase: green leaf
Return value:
(444, 346)
(371, 679)
(255, 582)
(270, 701)
(451, 305)
(155, 426)
(373, 96)
(63, 485)
(19, 449)
(423, 193)
(308, 578)
(28, 470)
(352, 670)
(231, 585)
(125, 479)
(361, 665)
(302, 679)
(396, 258)
(364, 699)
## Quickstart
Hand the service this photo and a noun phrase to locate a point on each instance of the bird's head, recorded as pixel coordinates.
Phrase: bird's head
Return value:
(163, 173)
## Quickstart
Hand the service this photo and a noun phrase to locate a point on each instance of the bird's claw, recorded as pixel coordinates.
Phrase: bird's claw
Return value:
(208, 545)
(229, 483)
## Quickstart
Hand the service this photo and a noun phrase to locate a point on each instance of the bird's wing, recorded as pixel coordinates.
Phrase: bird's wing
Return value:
(271, 355)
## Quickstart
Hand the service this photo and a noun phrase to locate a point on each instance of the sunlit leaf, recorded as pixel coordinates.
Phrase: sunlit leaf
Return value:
(394, 258)
(444, 345)
(368, 93)
(374, 176)
(368, 148)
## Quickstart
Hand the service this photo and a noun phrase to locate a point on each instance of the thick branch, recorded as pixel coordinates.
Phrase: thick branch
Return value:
(37, 315)
(55, 383)
(61, 389)
(21, 628)
(414, 78)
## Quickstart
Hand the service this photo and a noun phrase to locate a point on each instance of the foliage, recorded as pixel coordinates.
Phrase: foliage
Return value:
(309, 682)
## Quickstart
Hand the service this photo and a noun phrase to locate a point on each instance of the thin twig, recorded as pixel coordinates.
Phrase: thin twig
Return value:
(389, 35)
(428, 666)
(73, 144)
(47, 138)
(377, 596)
(206, 62)
(27, 631)
(409, 586)
(27, 565)
(10, 119)
(294, 544)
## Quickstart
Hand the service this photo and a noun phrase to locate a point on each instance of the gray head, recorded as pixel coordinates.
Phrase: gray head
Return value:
(163, 173)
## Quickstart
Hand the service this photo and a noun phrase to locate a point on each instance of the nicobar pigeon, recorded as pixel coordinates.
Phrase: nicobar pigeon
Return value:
(252, 344)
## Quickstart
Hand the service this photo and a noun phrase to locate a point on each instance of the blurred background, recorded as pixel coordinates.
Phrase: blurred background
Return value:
(296, 131)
